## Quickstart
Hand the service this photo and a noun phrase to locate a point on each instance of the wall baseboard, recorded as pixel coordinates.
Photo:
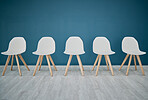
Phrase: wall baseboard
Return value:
(75, 65)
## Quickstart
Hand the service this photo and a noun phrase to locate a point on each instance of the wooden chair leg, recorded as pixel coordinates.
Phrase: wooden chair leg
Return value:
(23, 62)
(100, 57)
(135, 62)
(12, 62)
(95, 62)
(110, 65)
(138, 58)
(37, 65)
(41, 62)
(7, 62)
(123, 61)
(52, 62)
(106, 62)
(68, 63)
(18, 65)
(80, 64)
(128, 65)
(49, 65)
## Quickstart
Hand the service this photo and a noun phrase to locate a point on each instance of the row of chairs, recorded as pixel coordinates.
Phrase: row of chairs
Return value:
(74, 46)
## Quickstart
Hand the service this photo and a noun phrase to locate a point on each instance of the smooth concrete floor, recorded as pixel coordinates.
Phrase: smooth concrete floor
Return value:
(74, 86)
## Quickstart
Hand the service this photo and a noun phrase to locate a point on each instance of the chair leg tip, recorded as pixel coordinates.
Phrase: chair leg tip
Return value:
(65, 75)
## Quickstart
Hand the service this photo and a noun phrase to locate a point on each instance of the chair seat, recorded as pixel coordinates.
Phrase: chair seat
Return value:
(42, 53)
(104, 52)
(74, 53)
(135, 52)
(10, 53)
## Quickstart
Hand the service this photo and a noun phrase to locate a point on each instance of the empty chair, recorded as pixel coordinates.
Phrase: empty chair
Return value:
(101, 46)
(130, 47)
(17, 46)
(46, 46)
(74, 46)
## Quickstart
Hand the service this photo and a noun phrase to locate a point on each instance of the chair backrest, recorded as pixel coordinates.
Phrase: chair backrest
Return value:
(74, 45)
(46, 44)
(129, 44)
(17, 45)
(101, 44)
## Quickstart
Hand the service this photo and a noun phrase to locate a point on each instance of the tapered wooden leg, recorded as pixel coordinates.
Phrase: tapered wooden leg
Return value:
(100, 57)
(128, 65)
(135, 62)
(123, 61)
(80, 64)
(41, 62)
(110, 65)
(95, 62)
(23, 61)
(106, 62)
(69, 60)
(18, 65)
(49, 65)
(7, 62)
(12, 62)
(37, 65)
(138, 58)
(52, 62)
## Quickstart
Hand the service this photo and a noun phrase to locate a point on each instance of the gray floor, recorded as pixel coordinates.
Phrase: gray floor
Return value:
(74, 86)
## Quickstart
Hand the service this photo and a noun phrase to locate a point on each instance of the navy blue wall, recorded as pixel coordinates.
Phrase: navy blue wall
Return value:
(60, 19)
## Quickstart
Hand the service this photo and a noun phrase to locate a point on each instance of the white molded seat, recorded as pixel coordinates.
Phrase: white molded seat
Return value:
(101, 46)
(74, 46)
(16, 46)
(46, 46)
(130, 46)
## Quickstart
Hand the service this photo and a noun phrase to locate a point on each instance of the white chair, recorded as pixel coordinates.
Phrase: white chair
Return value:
(74, 46)
(46, 46)
(17, 46)
(101, 46)
(130, 47)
